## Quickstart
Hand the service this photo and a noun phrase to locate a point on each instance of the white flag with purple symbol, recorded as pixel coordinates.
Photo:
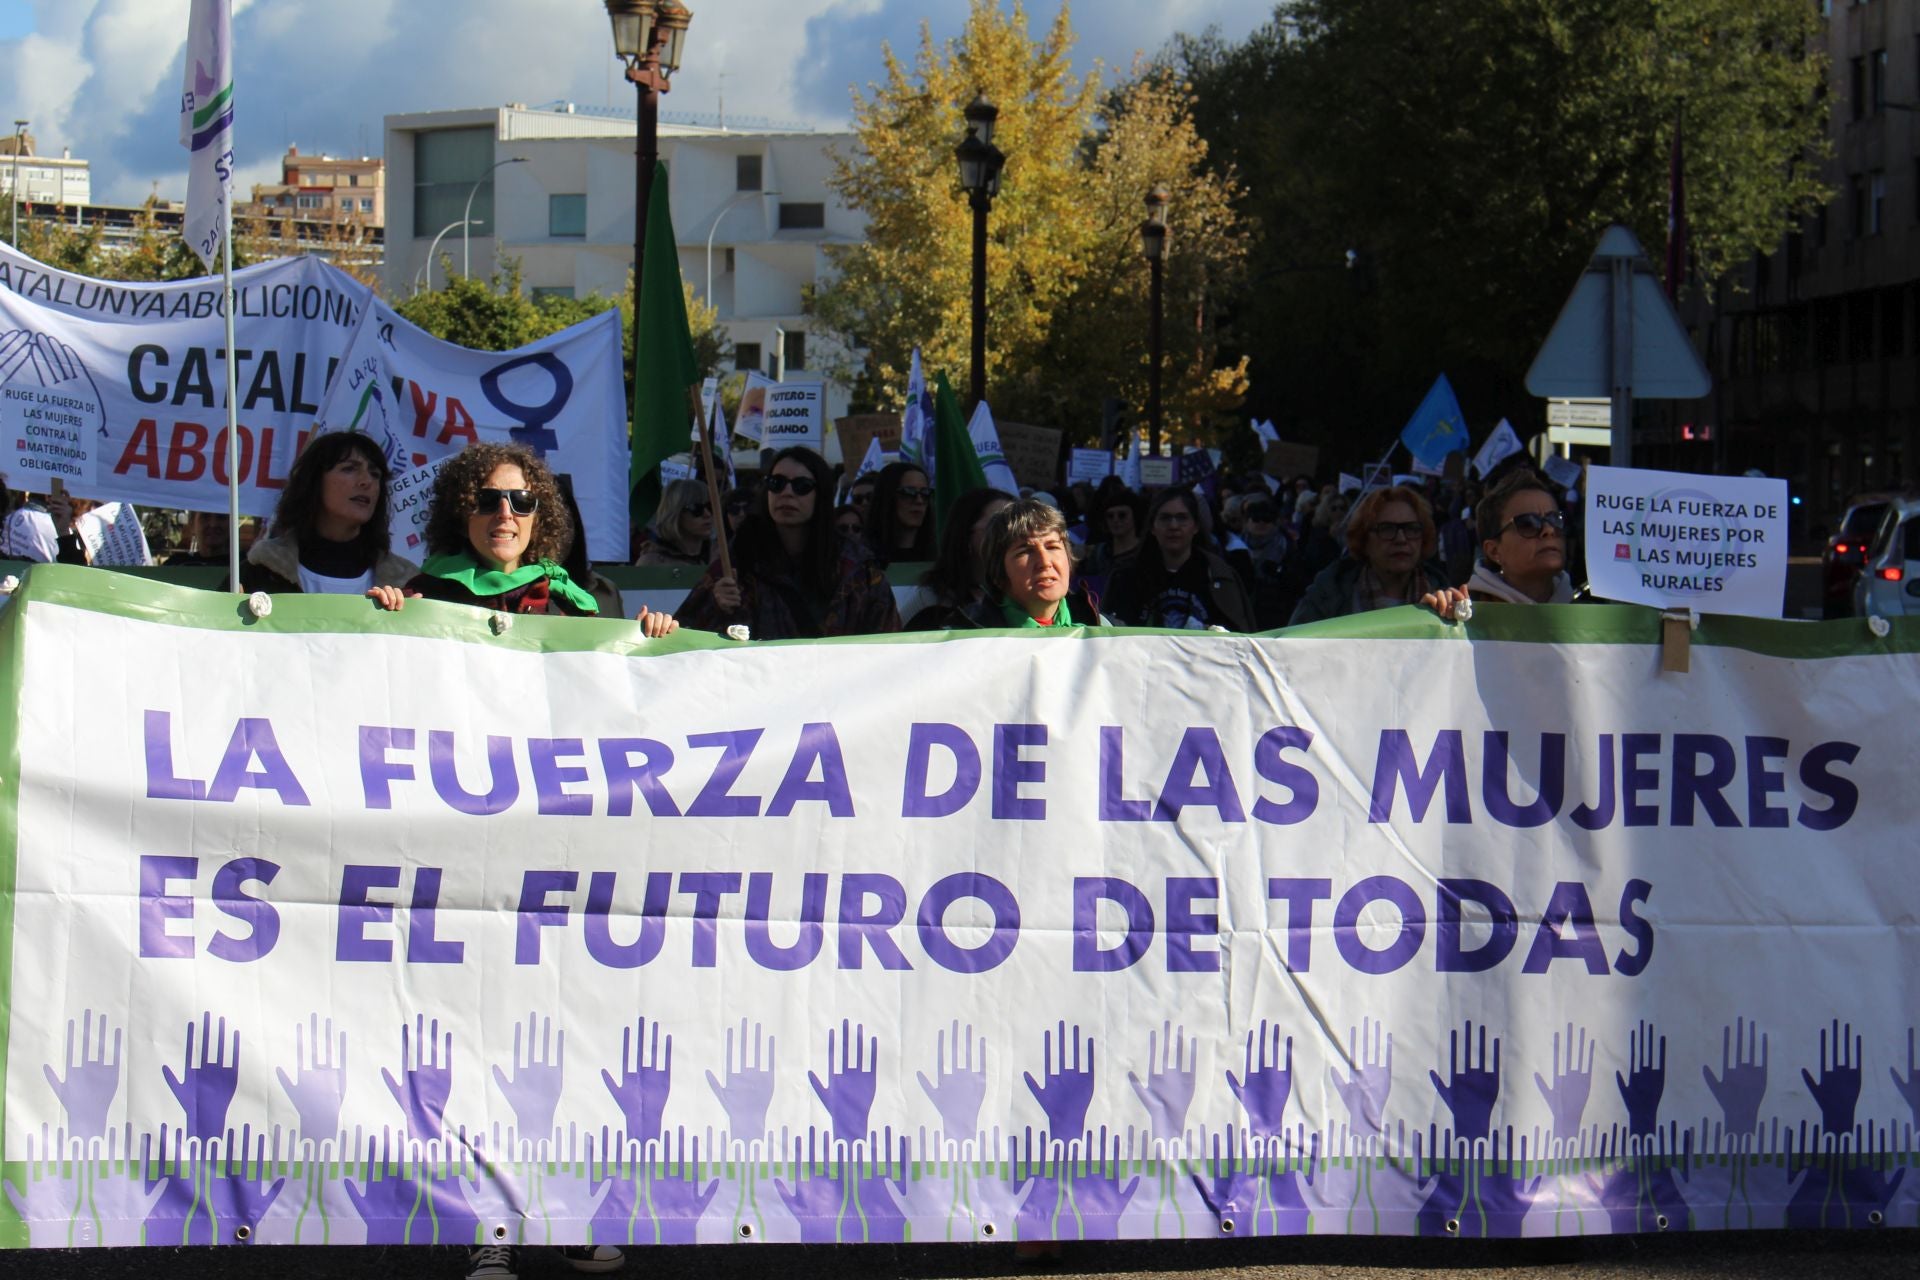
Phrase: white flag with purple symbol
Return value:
(916, 419)
(206, 126)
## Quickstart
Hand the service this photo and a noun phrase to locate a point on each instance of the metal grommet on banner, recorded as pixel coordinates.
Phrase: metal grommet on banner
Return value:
(1676, 639)
(500, 622)
(746, 1231)
(1876, 1218)
(1661, 1222)
(1453, 1226)
(499, 1231)
(1226, 1226)
(260, 604)
(243, 1233)
(1880, 627)
(987, 1229)
(740, 631)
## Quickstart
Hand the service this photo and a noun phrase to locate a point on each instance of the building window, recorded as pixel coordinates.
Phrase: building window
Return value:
(746, 355)
(567, 216)
(802, 217)
(1879, 81)
(1857, 204)
(1876, 202)
(746, 173)
(446, 164)
(552, 291)
(729, 260)
(310, 202)
(796, 349)
(353, 179)
(366, 204)
(1857, 86)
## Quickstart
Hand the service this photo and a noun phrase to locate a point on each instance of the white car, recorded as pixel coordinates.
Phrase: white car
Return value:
(1889, 582)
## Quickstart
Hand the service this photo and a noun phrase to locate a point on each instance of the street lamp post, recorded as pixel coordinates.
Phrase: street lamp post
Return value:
(19, 145)
(466, 218)
(1153, 244)
(714, 230)
(647, 36)
(980, 165)
(434, 249)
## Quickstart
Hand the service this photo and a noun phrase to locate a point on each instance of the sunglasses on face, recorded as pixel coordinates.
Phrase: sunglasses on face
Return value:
(915, 493)
(737, 508)
(1531, 524)
(1397, 530)
(698, 509)
(801, 485)
(520, 501)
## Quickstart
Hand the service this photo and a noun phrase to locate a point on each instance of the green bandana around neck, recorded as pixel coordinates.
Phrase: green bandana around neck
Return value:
(463, 568)
(1019, 617)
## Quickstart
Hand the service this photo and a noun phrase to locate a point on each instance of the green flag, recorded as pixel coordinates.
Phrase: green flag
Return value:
(956, 467)
(663, 364)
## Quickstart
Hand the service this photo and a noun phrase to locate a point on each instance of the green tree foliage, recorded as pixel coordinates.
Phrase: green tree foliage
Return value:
(1470, 152)
(1066, 286)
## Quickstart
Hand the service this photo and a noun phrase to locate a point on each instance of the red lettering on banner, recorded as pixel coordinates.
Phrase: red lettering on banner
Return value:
(220, 455)
(266, 479)
(422, 409)
(459, 424)
(189, 442)
(143, 450)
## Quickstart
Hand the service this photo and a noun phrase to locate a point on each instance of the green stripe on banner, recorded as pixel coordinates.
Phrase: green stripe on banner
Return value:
(13, 1232)
(152, 599)
(212, 109)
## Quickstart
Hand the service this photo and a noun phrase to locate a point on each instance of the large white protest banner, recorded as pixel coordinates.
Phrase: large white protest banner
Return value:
(426, 399)
(403, 930)
(1715, 544)
(119, 389)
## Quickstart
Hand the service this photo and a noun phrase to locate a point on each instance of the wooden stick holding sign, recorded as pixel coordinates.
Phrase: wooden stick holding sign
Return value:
(705, 422)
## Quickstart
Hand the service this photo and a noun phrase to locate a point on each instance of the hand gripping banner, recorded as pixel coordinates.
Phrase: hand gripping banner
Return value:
(341, 926)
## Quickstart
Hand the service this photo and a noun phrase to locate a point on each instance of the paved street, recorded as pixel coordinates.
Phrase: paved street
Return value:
(1787, 1256)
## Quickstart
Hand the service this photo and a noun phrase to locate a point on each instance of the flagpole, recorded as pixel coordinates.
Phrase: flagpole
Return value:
(233, 406)
(705, 422)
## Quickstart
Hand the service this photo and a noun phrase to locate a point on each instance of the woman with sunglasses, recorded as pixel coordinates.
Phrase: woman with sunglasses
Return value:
(497, 534)
(899, 522)
(1523, 545)
(331, 528)
(1391, 542)
(682, 529)
(793, 575)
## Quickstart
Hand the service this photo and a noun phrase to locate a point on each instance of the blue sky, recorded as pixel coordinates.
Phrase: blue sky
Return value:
(102, 76)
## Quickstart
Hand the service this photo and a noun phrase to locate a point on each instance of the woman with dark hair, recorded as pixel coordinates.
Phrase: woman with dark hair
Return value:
(793, 573)
(956, 582)
(682, 528)
(1116, 524)
(330, 529)
(1179, 581)
(498, 532)
(1523, 545)
(1029, 571)
(899, 523)
(1391, 542)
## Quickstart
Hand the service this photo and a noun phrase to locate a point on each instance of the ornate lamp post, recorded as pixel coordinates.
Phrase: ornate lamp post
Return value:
(980, 165)
(648, 36)
(1153, 244)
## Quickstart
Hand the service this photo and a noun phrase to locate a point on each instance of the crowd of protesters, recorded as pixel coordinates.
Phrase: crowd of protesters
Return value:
(809, 551)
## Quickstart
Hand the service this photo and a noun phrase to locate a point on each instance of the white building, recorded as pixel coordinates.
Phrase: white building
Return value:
(59, 181)
(554, 188)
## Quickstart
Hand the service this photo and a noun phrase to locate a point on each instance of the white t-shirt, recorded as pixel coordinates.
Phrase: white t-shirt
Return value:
(318, 584)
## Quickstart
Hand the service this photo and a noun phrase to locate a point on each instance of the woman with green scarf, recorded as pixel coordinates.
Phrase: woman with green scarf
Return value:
(497, 532)
(1028, 561)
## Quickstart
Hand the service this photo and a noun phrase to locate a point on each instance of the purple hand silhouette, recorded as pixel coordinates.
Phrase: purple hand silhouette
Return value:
(1742, 1082)
(646, 1077)
(749, 1086)
(1572, 1083)
(534, 1090)
(1909, 1089)
(677, 1205)
(91, 1080)
(50, 1202)
(317, 1088)
(236, 1200)
(1267, 1082)
(1838, 1089)
(1471, 1091)
(847, 1093)
(1171, 1068)
(569, 1199)
(1867, 1188)
(815, 1203)
(1098, 1201)
(1645, 1081)
(426, 1078)
(205, 1088)
(1365, 1091)
(957, 1094)
(1067, 1092)
(122, 1200)
(874, 1216)
(388, 1204)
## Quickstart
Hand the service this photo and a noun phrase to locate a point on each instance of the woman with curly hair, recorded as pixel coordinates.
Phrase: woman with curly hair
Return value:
(498, 532)
(794, 575)
(330, 529)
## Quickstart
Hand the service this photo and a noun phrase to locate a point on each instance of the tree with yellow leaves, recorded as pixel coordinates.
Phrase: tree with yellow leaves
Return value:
(1066, 281)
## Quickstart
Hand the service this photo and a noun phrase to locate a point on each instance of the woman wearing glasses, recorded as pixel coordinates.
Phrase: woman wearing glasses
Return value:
(497, 534)
(793, 575)
(899, 522)
(682, 529)
(1523, 545)
(1391, 541)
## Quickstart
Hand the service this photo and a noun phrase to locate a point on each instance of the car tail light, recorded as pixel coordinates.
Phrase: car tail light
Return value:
(1894, 574)
(1841, 548)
